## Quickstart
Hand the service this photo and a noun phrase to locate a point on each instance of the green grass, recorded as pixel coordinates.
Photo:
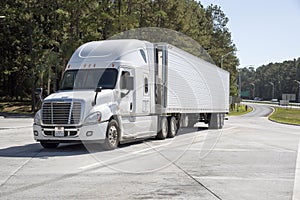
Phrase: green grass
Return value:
(286, 115)
(240, 110)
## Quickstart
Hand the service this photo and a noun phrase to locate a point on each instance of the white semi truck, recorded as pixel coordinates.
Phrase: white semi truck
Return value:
(115, 91)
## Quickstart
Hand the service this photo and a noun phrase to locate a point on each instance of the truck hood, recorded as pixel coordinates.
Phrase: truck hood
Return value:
(87, 96)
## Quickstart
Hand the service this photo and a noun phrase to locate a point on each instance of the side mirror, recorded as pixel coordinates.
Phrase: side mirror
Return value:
(129, 82)
(56, 85)
(98, 89)
(39, 91)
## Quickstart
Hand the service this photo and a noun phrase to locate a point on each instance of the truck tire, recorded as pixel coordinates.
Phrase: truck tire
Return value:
(173, 127)
(192, 120)
(222, 119)
(162, 134)
(112, 135)
(184, 121)
(216, 121)
(49, 145)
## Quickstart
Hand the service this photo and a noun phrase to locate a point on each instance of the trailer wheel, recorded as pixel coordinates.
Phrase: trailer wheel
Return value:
(49, 145)
(173, 127)
(162, 134)
(222, 120)
(112, 135)
(216, 121)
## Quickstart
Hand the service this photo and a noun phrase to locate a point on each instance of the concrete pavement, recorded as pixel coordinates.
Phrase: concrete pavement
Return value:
(15, 123)
(251, 158)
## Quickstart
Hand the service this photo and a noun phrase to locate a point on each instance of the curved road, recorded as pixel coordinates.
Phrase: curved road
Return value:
(259, 110)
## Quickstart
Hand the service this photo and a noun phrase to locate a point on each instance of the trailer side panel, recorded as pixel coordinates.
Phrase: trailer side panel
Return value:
(194, 85)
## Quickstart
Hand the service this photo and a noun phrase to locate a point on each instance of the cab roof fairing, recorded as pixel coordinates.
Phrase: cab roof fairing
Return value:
(102, 54)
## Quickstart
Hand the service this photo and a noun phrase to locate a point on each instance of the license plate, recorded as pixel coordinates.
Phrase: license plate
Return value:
(59, 132)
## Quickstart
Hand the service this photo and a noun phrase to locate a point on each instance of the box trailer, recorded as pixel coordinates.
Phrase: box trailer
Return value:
(115, 91)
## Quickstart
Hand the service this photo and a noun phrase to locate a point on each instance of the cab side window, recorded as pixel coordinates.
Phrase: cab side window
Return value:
(124, 91)
(123, 79)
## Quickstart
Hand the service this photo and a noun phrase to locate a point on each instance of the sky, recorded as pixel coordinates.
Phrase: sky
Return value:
(263, 31)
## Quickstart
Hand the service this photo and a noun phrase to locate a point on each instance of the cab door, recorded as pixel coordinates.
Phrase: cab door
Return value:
(127, 104)
(126, 95)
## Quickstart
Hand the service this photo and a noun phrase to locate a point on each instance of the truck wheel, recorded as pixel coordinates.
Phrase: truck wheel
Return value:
(173, 128)
(49, 145)
(162, 134)
(222, 118)
(112, 135)
(213, 121)
(216, 121)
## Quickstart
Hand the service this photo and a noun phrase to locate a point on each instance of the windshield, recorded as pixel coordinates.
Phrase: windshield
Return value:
(89, 79)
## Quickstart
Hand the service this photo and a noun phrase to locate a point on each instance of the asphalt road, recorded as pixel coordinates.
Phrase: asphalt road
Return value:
(259, 110)
(251, 158)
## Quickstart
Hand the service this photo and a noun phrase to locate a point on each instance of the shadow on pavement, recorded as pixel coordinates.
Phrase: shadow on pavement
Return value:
(63, 150)
(37, 151)
(15, 115)
(181, 131)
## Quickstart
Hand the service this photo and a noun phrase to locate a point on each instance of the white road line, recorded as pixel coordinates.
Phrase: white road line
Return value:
(16, 127)
(122, 156)
(154, 147)
(227, 129)
(271, 112)
(143, 150)
(243, 150)
(242, 178)
(296, 191)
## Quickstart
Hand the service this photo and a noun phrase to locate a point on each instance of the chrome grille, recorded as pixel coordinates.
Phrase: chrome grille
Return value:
(61, 112)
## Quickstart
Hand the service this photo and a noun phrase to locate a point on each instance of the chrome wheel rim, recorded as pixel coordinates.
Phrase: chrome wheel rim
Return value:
(164, 127)
(112, 135)
(173, 126)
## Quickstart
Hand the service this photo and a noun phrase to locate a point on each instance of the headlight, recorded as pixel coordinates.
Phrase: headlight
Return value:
(93, 118)
(37, 118)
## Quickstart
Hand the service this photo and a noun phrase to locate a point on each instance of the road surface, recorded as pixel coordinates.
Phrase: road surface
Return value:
(259, 110)
(251, 158)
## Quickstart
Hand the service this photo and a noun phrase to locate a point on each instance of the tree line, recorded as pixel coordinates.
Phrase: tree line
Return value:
(270, 81)
(38, 37)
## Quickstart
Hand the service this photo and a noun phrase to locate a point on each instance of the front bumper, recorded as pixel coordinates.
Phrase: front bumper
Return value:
(93, 132)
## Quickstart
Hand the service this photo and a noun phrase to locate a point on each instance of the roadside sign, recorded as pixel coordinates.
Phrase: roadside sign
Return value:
(245, 93)
(284, 102)
(289, 97)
